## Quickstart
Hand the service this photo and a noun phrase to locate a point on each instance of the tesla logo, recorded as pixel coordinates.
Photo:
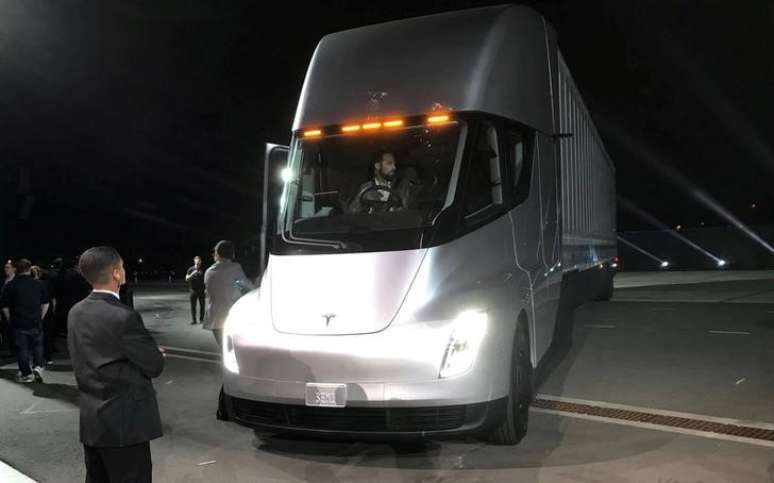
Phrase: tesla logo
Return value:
(328, 318)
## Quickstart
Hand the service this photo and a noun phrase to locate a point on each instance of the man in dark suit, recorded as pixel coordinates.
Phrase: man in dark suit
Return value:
(114, 359)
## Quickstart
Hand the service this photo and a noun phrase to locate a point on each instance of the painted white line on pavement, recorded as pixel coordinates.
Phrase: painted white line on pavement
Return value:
(656, 427)
(32, 410)
(660, 412)
(190, 358)
(600, 326)
(729, 332)
(190, 351)
(9, 474)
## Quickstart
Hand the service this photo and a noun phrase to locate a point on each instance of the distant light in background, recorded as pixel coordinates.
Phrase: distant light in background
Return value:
(753, 206)
(661, 263)
(655, 222)
(722, 263)
(679, 227)
(655, 160)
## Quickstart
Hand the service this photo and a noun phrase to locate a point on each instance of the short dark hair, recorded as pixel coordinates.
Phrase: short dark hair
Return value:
(22, 265)
(225, 249)
(96, 264)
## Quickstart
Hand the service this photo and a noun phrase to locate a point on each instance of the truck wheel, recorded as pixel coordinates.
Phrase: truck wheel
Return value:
(606, 289)
(514, 426)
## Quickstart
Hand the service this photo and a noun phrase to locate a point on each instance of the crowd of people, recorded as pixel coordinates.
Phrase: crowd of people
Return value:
(113, 355)
(35, 302)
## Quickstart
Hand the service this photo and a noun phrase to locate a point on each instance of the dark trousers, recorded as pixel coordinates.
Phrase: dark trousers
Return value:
(6, 333)
(60, 315)
(29, 344)
(195, 296)
(49, 336)
(129, 464)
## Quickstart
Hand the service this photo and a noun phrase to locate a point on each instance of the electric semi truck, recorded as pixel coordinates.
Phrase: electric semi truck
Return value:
(445, 190)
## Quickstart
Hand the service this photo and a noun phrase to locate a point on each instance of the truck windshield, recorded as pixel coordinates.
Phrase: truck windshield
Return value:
(366, 191)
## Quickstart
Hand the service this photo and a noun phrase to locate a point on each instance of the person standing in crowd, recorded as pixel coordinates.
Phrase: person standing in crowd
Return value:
(70, 288)
(224, 282)
(49, 321)
(6, 331)
(195, 278)
(114, 360)
(25, 302)
(9, 271)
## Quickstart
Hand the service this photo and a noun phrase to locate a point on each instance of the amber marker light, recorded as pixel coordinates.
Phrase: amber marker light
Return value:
(395, 123)
(437, 119)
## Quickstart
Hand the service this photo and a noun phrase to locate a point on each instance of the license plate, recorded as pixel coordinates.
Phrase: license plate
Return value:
(326, 395)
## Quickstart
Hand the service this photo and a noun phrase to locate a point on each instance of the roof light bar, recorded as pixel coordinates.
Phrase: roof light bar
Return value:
(437, 119)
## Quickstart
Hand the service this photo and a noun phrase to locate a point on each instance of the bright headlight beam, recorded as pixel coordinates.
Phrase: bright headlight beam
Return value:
(468, 331)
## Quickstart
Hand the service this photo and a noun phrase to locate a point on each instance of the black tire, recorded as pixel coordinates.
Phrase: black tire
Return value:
(514, 426)
(606, 286)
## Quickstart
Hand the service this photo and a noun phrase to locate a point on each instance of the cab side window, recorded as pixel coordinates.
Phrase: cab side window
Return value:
(484, 185)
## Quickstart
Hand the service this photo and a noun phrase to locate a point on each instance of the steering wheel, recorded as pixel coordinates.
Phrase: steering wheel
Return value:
(394, 200)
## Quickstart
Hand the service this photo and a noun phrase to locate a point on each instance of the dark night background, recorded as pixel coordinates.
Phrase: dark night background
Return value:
(140, 123)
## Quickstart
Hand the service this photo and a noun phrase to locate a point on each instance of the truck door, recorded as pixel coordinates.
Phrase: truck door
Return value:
(274, 161)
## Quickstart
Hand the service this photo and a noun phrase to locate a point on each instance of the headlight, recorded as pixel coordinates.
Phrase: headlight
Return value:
(467, 334)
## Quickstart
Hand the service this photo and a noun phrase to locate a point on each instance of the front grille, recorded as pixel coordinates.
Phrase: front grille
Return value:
(350, 418)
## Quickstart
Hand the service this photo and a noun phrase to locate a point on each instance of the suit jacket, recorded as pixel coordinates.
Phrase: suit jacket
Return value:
(114, 359)
(221, 281)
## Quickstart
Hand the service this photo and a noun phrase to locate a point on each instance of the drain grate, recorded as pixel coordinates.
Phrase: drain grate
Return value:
(657, 419)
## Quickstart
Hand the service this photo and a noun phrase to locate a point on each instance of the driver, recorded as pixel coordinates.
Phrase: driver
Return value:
(383, 175)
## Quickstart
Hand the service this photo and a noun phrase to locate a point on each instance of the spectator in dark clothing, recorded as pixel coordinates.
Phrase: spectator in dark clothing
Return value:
(6, 331)
(114, 359)
(49, 321)
(25, 303)
(70, 288)
(126, 295)
(195, 278)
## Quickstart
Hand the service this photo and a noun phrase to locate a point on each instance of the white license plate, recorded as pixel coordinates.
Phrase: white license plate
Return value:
(326, 395)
